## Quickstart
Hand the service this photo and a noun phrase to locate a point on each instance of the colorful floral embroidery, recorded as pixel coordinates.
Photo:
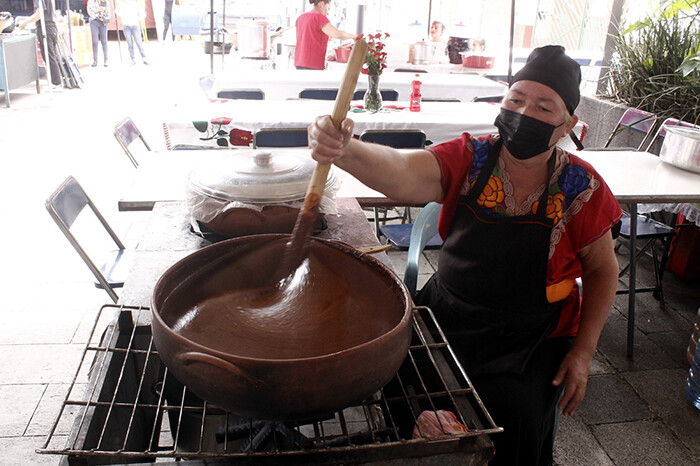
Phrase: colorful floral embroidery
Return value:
(571, 181)
(555, 206)
(492, 195)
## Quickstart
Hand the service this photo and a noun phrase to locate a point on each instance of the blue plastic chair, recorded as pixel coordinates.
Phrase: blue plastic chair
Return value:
(281, 137)
(388, 95)
(242, 94)
(319, 94)
(398, 139)
(423, 236)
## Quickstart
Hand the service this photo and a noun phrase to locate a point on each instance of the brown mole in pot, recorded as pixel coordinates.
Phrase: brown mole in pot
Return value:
(240, 306)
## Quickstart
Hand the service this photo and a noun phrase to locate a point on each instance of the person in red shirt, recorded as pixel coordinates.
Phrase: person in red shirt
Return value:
(521, 220)
(313, 31)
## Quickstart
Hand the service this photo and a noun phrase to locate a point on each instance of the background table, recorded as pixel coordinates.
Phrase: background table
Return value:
(641, 177)
(286, 84)
(162, 176)
(441, 121)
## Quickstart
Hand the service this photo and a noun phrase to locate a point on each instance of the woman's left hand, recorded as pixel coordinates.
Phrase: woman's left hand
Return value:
(574, 369)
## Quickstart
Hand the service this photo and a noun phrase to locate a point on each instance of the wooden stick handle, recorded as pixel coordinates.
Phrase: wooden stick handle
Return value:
(340, 110)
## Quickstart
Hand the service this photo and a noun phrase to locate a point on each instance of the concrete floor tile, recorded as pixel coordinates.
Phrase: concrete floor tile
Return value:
(17, 405)
(37, 364)
(50, 327)
(20, 451)
(613, 345)
(665, 393)
(576, 445)
(48, 409)
(674, 344)
(643, 442)
(609, 399)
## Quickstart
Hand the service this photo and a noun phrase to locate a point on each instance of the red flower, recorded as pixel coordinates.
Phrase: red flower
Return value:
(359, 36)
(221, 121)
(240, 137)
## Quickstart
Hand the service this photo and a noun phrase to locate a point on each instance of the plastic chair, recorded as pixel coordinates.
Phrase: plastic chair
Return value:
(388, 95)
(423, 235)
(126, 132)
(649, 231)
(636, 120)
(281, 137)
(64, 206)
(319, 94)
(242, 94)
(398, 139)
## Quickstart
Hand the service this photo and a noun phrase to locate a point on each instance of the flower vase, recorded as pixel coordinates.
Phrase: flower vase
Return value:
(373, 99)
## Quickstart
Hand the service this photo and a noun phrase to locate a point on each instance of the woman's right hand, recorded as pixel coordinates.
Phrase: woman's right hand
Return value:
(326, 142)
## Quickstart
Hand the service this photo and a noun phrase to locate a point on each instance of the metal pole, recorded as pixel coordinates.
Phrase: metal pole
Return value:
(512, 38)
(45, 40)
(613, 31)
(116, 23)
(70, 35)
(211, 34)
(430, 15)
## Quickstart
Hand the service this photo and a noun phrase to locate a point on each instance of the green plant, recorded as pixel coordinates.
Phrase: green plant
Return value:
(657, 63)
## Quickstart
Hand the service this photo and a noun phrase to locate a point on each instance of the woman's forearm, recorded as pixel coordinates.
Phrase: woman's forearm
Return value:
(403, 176)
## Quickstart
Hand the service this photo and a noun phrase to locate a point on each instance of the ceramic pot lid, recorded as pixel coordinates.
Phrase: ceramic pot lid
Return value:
(258, 176)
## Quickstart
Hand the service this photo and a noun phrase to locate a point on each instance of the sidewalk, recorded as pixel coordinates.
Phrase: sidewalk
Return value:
(635, 411)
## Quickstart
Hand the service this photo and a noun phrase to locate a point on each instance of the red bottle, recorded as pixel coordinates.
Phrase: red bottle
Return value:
(415, 95)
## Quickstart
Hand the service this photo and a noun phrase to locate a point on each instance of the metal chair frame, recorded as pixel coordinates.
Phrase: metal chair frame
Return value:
(634, 119)
(650, 230)
(126, 132)
(64, 206)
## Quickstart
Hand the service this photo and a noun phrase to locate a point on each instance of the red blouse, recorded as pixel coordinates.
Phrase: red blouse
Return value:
(310, 50)
(581, 204)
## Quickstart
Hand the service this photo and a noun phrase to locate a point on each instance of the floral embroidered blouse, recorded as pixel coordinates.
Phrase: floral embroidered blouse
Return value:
(580, 203)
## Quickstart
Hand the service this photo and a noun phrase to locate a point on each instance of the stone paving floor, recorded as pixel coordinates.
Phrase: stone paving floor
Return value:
(635, 412)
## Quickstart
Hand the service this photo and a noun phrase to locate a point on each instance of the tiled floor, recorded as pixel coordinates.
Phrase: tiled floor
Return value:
(635, 411)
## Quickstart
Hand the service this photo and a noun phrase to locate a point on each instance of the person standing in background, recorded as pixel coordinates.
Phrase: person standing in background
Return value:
(438, 45)
(99, 13)
(313, 31)
(51, 37)
(168, 19)
(131, 14)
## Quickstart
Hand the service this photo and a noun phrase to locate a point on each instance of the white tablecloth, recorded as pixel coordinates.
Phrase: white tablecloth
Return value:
(441, 121)
(286, 84)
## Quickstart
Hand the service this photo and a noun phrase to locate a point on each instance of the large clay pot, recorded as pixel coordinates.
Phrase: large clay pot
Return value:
(343, 337)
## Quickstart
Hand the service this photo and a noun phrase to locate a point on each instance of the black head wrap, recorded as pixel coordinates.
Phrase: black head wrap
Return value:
(549, 65)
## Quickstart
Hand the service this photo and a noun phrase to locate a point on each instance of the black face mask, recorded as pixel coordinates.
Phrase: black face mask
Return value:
(524, 136)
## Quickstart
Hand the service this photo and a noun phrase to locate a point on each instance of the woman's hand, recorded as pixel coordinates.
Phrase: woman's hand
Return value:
(326, 142)
(574, 369)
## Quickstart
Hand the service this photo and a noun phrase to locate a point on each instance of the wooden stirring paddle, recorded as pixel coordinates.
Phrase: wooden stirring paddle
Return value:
(299, 243)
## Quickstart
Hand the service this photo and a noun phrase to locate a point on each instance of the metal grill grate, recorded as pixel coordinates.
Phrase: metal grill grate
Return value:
(123, 404)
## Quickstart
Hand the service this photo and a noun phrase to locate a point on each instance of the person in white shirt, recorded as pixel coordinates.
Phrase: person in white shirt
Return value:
(131, 13)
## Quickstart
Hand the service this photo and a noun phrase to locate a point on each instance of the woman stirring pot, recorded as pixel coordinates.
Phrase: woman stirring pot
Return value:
(313, 31)
(521, 220)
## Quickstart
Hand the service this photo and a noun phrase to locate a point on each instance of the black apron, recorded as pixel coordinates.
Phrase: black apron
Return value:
(489, 292)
